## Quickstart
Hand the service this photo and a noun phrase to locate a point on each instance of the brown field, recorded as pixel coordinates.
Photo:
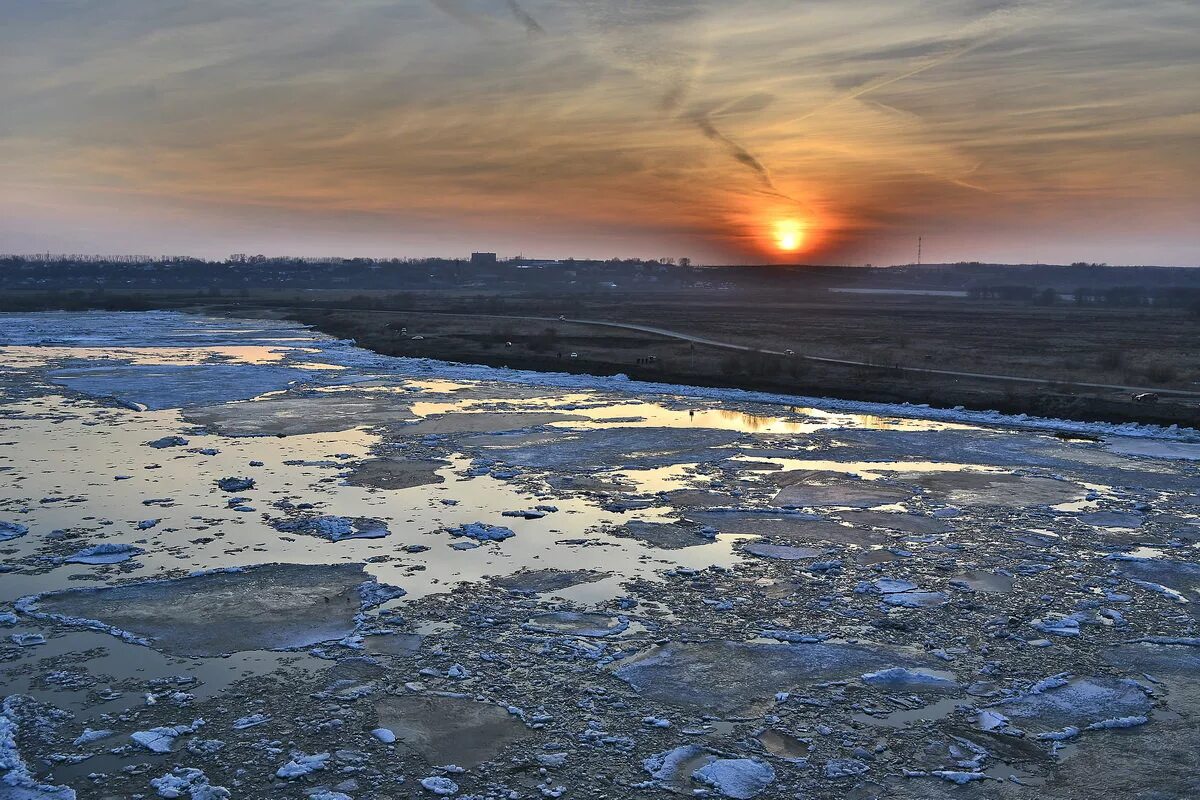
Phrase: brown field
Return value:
(1149, 349)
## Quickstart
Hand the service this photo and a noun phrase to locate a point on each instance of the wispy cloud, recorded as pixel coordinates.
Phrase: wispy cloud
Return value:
(695, 123)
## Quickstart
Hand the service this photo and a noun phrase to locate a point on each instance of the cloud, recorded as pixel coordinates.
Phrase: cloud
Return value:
(554, 120)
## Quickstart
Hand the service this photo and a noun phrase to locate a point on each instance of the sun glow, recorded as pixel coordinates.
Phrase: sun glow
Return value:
(789, 234)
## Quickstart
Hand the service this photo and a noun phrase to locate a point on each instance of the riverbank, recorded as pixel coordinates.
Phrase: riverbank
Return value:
(878, 350)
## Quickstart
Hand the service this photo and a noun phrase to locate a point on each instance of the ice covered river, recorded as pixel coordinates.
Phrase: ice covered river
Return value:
(241, 559)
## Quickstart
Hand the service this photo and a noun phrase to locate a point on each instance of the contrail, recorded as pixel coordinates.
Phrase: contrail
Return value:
(879, 83)
(531, 25)
(1006, 21)
(737, 151)
(482, 22)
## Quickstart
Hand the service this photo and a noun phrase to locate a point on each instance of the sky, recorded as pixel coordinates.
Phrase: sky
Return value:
(826, 132)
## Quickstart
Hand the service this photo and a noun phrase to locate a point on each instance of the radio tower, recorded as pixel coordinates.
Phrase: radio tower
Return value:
(919, 238)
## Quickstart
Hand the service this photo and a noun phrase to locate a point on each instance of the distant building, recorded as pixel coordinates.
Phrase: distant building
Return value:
(483, 259)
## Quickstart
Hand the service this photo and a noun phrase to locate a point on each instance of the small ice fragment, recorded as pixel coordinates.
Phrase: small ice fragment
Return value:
(991, 720)
(1069, 732)
(902, 677)
(960, 778)
(27, 639)
(482, 532)
(250, 721)
(1117, 723)
(844, 768)
(167, 441)
(11, 530)
(106, 553)
(235, 484)
(384, 735)
(440, 786)
(302, 765)
(189, 782)
(88, 736)
(160, 739)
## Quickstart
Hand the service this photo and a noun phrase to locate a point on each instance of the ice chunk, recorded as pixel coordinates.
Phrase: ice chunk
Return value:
(905, 679)
(188, 782)
(888, 585)
(107, 553)
(1118, 722)
(844, 768)
(16, 781)
(223, 611)
(1058, 626)
(739, 778)
(11, 530)
(27, 639)
(665, 766)
(783, 552)
(915, 599)
(575, 623)
(375, 594)
(161, 739)
(440, 786)
(482, 532)
(302, 765)
(955, 776)
(88, 736)
(250, 721)
(384, 735)
(334, 528)
(167, 441)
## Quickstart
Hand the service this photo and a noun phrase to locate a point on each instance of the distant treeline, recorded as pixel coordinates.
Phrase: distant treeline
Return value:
(239, 275)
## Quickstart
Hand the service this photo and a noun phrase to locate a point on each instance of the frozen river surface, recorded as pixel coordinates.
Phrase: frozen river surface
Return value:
(241, 559)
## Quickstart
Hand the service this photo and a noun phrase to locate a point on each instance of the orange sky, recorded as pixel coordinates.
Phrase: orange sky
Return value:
(1043, 131)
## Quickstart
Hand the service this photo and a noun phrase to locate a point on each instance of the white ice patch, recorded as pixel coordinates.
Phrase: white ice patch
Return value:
(11, 530)
(739, 778)
(107, 553)
(188, 782)
(482, 532)
(161, 739)
(16, 780)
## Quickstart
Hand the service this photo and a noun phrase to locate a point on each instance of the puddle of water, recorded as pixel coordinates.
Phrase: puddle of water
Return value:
(939, 709)
(785, 745)
(656, 479)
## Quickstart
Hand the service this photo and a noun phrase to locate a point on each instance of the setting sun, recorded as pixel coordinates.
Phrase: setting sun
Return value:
(789, 234)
